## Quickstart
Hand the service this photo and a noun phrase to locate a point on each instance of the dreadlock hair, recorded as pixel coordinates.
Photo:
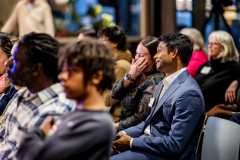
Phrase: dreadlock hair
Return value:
(42, 48)
(181, 42)
(6, 45)
(92, 56)
(114, 34)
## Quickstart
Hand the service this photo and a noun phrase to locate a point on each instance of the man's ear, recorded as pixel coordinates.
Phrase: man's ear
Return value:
(37, 69)
(175, 52)
(97, 78)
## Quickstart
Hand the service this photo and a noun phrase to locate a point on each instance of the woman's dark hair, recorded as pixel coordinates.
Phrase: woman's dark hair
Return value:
(114, 34)
(88, 32)
(92, 56)
(6, 45)
(42, 48)
(151, 43)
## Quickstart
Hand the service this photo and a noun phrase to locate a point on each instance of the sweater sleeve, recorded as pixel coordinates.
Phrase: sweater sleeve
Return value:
(198, 58)
(118, 92)
(48, 21)
(143, 108)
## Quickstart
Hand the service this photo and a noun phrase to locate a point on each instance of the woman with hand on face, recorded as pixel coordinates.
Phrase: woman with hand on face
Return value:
(218, 73)
(137, 87)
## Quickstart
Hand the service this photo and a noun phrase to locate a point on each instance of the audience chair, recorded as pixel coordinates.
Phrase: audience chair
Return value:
(221, 140)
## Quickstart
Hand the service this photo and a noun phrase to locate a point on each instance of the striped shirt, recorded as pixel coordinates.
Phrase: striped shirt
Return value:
(28, 110)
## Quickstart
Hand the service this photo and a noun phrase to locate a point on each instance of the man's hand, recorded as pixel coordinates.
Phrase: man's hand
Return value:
(47, 125)
(123, 143)
(222, 111)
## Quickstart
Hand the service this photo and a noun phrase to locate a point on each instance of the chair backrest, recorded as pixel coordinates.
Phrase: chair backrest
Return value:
(221, 140)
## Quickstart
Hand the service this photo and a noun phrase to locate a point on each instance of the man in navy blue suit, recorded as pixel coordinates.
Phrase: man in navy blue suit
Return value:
(171, 130)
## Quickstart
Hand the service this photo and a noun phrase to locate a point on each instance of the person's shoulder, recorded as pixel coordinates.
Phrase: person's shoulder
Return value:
(20, 4)
(44, 4)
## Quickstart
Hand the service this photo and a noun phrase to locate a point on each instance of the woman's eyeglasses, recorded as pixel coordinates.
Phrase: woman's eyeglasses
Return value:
(213, 43)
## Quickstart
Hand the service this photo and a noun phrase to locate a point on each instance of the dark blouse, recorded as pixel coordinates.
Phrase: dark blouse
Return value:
(215, 83)
(135, 98)
(6, 97)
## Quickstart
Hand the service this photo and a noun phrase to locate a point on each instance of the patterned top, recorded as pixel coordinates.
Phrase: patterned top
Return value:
(29, 110)
(135, 98)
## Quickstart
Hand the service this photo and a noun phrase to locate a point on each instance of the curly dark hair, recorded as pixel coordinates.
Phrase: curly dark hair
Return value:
(6, 45)
(114, 34)
(91, 55)
(42, 48)
(180, 41)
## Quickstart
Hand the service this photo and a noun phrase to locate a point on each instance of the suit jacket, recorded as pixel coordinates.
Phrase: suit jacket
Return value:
(175, 121)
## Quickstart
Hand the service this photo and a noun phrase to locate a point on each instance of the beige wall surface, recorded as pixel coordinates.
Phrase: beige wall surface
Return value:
(7, 7)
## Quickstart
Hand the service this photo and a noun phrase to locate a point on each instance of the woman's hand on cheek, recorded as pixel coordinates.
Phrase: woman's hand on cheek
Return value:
(137, 67)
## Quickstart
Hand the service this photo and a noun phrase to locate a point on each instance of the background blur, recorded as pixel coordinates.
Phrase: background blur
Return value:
(138, 18)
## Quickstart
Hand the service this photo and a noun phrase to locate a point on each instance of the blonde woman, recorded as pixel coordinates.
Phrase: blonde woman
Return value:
(218, 73)
(199, 55)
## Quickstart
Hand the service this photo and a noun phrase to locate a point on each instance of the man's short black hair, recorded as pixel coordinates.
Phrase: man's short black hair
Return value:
(181, 42)
(92, 56)
(114, 34)
(42, 48)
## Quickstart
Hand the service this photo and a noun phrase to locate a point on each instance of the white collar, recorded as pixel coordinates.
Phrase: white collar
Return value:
(30, 6)
(172, 77)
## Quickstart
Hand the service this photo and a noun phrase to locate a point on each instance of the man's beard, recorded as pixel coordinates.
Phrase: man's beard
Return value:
(22, 79)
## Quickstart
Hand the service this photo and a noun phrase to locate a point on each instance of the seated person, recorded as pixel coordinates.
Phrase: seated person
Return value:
(171, 130)
(115, 38)
(33, 64)
(199, 55)
(137, 87)
(218, 73)
(84, 33)
(87, 133)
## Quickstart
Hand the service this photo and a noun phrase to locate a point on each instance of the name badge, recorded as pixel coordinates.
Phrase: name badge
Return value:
(151, 102)
(205, 70)
(37, 12)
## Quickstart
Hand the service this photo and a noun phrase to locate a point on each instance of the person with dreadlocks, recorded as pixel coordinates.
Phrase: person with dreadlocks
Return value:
(33, 64)
(87, 133)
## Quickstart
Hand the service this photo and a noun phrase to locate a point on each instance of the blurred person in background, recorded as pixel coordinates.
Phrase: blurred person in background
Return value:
(137, 87)
(30, 16)
(83, 33)
(199, 55)
(115, 38)
(86, 133)
(33, 64)
(215, 76)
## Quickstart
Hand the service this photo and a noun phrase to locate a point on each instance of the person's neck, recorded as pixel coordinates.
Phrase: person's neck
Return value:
(94, 101)
(174, 69)
(39, 84)
(31, 1)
